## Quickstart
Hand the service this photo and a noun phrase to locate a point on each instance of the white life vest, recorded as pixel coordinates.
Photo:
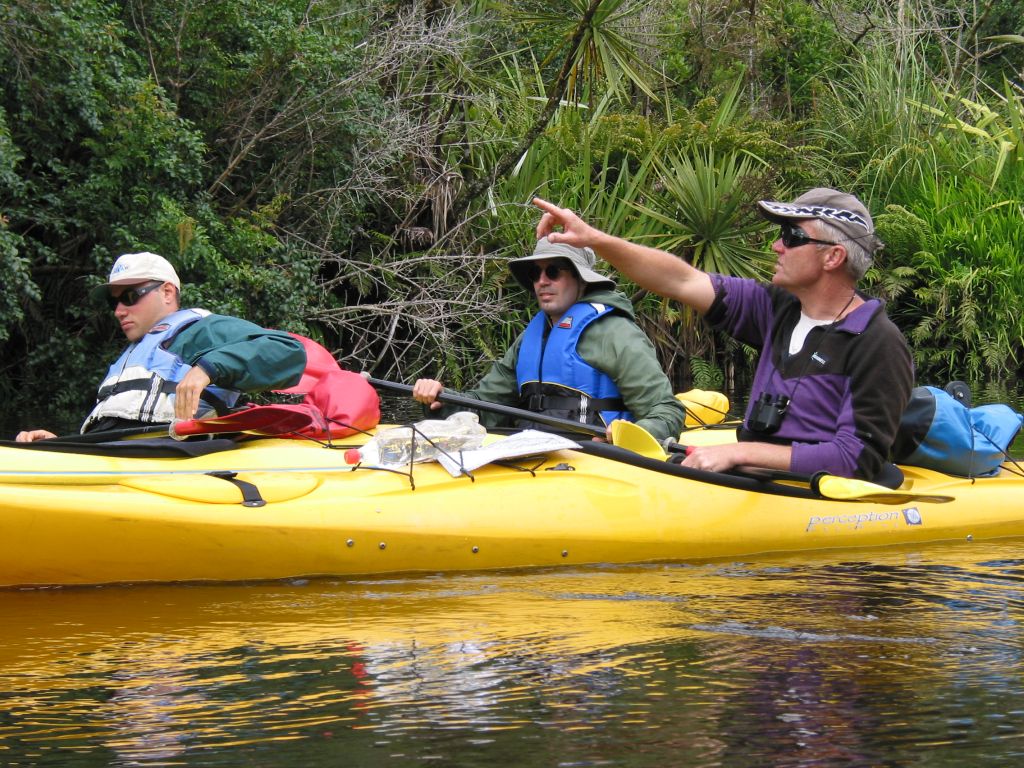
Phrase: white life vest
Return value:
(140, 385)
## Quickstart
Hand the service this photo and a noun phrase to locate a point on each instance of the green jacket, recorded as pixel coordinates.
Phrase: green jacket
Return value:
(237, 354)
(614, 344)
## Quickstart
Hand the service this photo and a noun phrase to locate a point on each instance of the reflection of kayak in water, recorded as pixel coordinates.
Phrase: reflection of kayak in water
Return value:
(295, 509)
(580, 611)
(558, 612)
(430, 663)
(161, 635)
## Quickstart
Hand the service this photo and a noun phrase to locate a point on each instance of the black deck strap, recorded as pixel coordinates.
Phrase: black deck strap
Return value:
(250, 493)
(151, 448)
(110, 435)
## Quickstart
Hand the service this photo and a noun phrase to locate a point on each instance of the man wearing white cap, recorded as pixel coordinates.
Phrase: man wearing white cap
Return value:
(834, 373)
(582, 357)
(179, 362)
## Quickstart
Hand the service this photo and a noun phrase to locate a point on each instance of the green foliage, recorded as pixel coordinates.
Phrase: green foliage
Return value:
(959, 299)
(796, 43)
(687, 185)
(707, 375)
(724, 125)
(306, 165)
(71, 178)
(989, 139)
(948, 165)
(608, 52)
(10, 156)
(903, 232)
(234, 267)
(776, 50)
(96, 161)
(16, 284)
(873, 120)
(706, 210)
(271, 88)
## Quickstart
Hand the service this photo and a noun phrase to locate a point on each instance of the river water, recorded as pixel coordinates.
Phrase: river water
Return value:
(895, 657)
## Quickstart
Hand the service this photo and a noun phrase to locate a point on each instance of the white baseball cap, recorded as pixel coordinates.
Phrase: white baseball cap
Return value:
(132, 268)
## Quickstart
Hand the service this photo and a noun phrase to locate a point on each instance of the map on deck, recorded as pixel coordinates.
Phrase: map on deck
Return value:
(529, 442)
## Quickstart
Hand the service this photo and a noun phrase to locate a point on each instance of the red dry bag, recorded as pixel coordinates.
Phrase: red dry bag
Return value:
(346, 400)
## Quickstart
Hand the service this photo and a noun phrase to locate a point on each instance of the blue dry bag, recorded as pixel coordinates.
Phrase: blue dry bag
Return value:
(939, 432)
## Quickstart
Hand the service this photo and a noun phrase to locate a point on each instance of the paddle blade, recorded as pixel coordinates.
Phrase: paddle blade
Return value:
(266, 420)
(850, 489)
(633, 437)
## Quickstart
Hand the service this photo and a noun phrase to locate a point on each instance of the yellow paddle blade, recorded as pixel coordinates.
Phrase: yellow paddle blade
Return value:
(850, 489)
(703, 407)
(633, 437)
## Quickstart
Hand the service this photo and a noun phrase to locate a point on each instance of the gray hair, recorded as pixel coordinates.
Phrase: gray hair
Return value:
(858, 257)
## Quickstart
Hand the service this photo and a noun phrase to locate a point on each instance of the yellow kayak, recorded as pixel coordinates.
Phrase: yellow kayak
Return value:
(277, 508)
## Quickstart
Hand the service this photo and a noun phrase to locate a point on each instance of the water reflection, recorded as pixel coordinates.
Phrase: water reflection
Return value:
(859, 659)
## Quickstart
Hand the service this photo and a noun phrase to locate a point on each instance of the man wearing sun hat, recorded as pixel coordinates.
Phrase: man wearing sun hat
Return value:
(582, 356)
(834, 373)
(178, 362)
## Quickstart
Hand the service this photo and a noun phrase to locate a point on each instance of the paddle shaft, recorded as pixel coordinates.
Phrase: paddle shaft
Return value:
(825, 485)
(452, 398)
(847, 490)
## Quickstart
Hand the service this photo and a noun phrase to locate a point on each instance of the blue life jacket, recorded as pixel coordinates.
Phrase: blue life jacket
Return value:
(140, 383)
(552, 377)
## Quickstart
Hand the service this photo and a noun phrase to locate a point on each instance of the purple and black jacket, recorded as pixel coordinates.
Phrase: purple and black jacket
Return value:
(848, 385)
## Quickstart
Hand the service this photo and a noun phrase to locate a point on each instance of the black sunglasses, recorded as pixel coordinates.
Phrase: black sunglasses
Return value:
(793, 237)
(132, 296)
(551, 270)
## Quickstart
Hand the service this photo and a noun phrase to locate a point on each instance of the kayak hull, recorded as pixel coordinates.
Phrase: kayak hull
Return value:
(102, 519)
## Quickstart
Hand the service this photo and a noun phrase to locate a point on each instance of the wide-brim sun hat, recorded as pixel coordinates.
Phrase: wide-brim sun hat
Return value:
(581, 259)
(843, 211)
(134, 268)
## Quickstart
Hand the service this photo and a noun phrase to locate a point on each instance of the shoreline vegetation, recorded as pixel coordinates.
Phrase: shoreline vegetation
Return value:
(360, 172)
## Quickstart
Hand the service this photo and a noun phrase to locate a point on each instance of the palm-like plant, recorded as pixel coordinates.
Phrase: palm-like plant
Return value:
(600, 43)
(599, 53)
(705, 210)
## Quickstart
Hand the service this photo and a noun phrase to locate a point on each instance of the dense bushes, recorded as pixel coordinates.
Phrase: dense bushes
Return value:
(359, 171)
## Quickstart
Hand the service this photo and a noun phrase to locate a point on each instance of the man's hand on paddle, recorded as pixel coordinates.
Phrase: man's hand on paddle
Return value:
(426, 391)
(719, 458)
(31, 435)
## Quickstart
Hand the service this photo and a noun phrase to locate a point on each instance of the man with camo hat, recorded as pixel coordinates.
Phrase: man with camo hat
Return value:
(834, 373)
